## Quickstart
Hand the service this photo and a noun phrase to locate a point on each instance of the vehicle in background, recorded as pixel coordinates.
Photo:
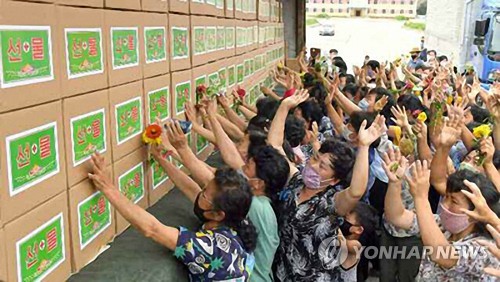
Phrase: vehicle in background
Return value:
(327, 30)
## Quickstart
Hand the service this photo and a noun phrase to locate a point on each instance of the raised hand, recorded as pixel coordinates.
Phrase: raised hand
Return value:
(420, 129)
(400, 117)
(99, 176)
(223, 101)
(482, 211)
(494, 248)
(211, 106)
(380, 104)
(419, 179)
(450, 132)
(394, 165)
(175, 135)
(488, 149)
(190, 113)
(366, 136)
(297, 98)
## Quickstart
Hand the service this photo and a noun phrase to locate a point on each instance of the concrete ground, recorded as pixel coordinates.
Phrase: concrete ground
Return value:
(381, 39)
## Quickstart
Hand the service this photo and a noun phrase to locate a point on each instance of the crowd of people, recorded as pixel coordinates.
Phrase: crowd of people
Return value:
(401, 155)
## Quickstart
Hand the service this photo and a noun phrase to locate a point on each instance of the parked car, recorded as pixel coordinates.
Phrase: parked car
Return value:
(327, 30)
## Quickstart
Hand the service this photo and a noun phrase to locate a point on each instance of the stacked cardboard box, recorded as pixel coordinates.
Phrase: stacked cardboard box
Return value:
(83, 76)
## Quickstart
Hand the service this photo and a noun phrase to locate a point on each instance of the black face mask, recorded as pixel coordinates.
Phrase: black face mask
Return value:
(198, 211)
(345, 228)
(414, 56)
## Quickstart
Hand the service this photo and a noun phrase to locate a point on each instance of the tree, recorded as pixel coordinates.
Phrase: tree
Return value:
(422, 7)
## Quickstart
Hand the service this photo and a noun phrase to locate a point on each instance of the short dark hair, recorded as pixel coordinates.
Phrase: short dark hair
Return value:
(455, 183)
(479, 114)
(357, 119)
(367, 217)
(273, 168)
(259, 123)
(311, 111)
(351, 88)
(350, 78)
(258, 139)
(341, 156)
(340, 63)
(234, 198)
(432, 51)
(267, 107)
(442, 58)
(386, 110)
(294, 130)
(373, 64)
(334, 51)
(308, 80)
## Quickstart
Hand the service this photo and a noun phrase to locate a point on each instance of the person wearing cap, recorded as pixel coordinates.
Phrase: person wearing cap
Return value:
(415, 60)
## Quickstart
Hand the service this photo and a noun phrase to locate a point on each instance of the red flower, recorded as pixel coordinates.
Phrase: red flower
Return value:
(241, 93)
(153, 131)
(201, 89)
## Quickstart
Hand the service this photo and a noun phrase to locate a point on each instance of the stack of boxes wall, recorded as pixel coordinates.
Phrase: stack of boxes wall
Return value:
(78, 76)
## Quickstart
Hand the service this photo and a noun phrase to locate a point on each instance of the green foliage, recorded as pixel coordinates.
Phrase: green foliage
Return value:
(413, 25)
(311, 22)
(323, 16)
(401, 18)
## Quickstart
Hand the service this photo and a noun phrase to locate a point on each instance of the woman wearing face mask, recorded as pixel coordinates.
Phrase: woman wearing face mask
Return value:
(315, 199)
(451, 237)
(226, 235)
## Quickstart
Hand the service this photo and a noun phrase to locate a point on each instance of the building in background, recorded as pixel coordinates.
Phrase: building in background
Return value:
(363, 8)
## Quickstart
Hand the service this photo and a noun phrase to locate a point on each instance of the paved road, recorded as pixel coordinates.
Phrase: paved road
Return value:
(381, 39)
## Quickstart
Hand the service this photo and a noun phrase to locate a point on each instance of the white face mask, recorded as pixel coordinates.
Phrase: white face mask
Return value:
(346, 133)
(364, 104)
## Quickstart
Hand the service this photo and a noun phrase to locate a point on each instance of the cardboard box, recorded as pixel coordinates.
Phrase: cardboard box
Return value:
(179, 6)
(123, 4)
(33, 163)
(123, 28)
(36, 71)
(157, 98)
(229, 11)
(180, 47)
(3, 255)
(86, 3)
(230, 38)
(38, 243)
(207, 8)
(182, 92)
(87, 129)
(155, 5)
(92, 223)
(203, 40)
(155, 31)
(158, 183)
(127, 118)
(264, 8)
(83, 57)
(130, 178)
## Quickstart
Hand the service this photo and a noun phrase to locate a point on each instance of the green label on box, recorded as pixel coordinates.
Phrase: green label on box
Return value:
(199, 40)
(128, 119)
(247, 68)
(244, 6)
(131, 183)
(42, 251)
(26, 55)
(229, 5)
(32, 156)
(237, 5)
(213, 79)
(223, 78)
(240, 70)
(202, 80)
(229, 37)
(219, 4)
(125, 47)
(158, 175)
(155, 42)
(88, 135)
(210, 2)
(221, 38)
(240, 40)
(180, 43)
(94, 216)
(231, 75)
(211, 38)
(84, 52)
(182, 96)
(158, 104)
(201, 144)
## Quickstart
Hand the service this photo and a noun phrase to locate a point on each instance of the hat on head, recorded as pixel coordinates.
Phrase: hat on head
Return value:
(415, 50)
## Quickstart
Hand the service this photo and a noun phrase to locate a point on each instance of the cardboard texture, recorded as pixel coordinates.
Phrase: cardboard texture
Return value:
(230, 50)
(35, 71)
(264, 10)
(40, 240)
(85, 3)
(180, 46)
(33, 166)
(87, 129)
(126, 47)
(200, 7)
(157, 92)
(127, 118)
(92, 223)
(182, 91)
(203, 40)
(3, 255)
(84, 60)
(229, 9)
(157, 182)
(155, 5)
(130, 177)
(179, 6)
(123, 4)
(155, 59)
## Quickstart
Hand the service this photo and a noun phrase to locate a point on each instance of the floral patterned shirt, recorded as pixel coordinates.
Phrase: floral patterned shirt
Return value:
(308, 249)
(214, 255)
(473, 258)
